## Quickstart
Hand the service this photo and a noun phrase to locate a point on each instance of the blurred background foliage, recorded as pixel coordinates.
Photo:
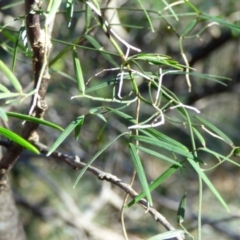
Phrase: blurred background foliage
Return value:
(40, 184)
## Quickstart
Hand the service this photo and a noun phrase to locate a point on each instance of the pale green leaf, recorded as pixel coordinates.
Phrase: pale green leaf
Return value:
(215, 130)
(173, 234)
(3, 115)
(11, 77)
(52, 10)
(208, 182)
(140, 172)
(78, 72)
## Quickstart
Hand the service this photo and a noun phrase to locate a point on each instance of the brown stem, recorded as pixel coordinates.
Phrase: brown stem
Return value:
(74, 162)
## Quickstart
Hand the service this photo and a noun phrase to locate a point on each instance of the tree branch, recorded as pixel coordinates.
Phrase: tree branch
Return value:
(74, 162)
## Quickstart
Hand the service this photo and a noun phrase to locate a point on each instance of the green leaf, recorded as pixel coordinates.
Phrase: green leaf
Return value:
(192, 6)
(18, 139)
(122, 114)
(69, 11)
(189, 27)
(236, 152)
(8, 95)
(78, 72)
(222, 22)
(53, 8)
(207, 181)
(215, 130)
(146, 13)
(105, 83)
(168, 235)
(65, 134)
(158, 155)
(11, 77)
(34, 120)
(95, 157)
(199, 136)
(155, 183)
(22, 28)
(78, 129)
(151, 132)
(108, 57)
(3, 115)
(3, 89)
(162, 144)
(181, 209)
(140, 172)
(170, 9)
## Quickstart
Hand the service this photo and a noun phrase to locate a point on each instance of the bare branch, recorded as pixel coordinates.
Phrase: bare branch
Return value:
(74, 162)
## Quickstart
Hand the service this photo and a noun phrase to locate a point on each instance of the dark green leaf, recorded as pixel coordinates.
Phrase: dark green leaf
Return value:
(34, 119)
(18, 139)
(181, 209)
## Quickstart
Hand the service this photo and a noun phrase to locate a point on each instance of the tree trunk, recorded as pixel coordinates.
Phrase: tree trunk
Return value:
(10, 224)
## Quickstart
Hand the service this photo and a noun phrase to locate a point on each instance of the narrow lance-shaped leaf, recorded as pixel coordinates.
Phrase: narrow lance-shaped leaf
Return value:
(158, 155)
(162, 144)
(140, 172)
(189, 27)
(95, 157)
(18, 139)
(78, 71)
(181, 209)
(3, 89)
(65, 133)
(208, 182)
(8, 95)
(3, 115)
(199, 136)
(78, 129)
(173, 234)
(11, 77)
(34, 119)
(215, 130)
(16, 47)
(155, 183)
(69, 11)
(53, 8)
(94, 42)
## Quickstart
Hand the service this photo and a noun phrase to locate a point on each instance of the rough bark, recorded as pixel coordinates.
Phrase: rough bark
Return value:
(10, 224)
